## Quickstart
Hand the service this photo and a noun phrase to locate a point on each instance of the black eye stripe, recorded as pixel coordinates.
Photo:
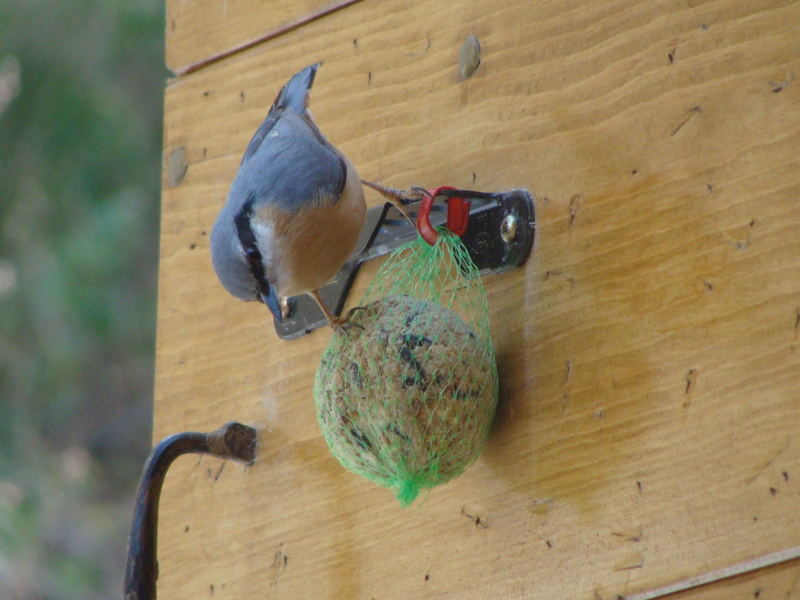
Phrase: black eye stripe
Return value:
(250, 249)
(252, 254)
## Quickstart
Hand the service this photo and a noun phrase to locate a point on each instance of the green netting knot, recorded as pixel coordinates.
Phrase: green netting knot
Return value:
(408, 492)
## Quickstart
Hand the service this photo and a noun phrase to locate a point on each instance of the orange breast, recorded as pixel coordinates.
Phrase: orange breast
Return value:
(311, 245)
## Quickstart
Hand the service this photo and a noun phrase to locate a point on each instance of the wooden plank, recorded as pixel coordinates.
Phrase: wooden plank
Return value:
(228, 26)
(778, 582)
(764, 568)
(648, 351)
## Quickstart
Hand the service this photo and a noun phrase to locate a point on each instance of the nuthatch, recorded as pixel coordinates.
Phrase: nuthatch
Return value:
(294, 210)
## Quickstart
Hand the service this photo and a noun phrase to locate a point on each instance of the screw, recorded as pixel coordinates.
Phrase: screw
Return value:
(469, 57)
(508, 228)
(176, 166)
(286, 305)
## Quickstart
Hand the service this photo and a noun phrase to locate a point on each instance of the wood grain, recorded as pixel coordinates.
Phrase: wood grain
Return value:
(778, 582)
(648, 351)
(766, 568)
(227, 26)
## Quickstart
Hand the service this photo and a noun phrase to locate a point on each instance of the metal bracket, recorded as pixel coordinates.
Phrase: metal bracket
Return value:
(499, 237)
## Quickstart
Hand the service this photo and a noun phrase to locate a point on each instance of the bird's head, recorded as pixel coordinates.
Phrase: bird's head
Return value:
(240, 258)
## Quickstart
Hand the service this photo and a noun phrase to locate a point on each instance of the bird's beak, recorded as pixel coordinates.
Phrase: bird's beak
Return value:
(273, 303)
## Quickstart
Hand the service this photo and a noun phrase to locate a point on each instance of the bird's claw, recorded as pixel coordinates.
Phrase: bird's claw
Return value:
(343, 324)
(395, 195)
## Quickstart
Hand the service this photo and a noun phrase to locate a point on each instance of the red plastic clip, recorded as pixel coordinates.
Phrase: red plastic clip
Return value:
(457, 215)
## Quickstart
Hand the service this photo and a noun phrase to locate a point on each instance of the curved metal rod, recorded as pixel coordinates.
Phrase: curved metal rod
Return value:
(232, 441)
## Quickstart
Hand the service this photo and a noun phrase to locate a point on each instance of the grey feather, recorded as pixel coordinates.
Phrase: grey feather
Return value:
(229, 263)
(293, 95)
(291, 168)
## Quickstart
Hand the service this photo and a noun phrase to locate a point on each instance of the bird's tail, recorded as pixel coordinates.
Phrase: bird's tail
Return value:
(294, 94)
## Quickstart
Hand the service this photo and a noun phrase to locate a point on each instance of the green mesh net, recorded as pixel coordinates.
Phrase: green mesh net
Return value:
(406, 396)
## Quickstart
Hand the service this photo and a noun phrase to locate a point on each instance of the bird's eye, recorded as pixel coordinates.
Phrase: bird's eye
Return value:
(252, 254)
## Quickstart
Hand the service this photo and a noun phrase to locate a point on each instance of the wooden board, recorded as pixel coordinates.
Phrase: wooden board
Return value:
(779, 582)
(648, 351)
(200, 32)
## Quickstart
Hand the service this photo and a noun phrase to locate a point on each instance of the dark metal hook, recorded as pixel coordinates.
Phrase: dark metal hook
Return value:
(232, 441)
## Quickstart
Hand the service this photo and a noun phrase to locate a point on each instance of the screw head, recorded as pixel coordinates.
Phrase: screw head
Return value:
(176, 166)
(509, 228)
(286, 305)
(469, 57)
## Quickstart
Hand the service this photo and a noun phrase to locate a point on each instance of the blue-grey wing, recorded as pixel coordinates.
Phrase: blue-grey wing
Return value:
(293, 96)
(266, 126)
(292, 166)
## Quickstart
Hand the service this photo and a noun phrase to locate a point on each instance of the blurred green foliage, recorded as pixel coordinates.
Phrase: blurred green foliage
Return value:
(81, 97)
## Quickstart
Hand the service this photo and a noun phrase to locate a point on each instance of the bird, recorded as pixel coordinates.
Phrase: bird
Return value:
(294, 210)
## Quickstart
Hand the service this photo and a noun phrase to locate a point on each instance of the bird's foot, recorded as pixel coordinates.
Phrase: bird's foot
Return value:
(394, 194)
(337, 323)
(342, 324)
(399, 198)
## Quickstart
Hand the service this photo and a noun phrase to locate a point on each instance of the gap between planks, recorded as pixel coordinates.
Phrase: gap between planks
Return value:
(292, 25)
(750, 566)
